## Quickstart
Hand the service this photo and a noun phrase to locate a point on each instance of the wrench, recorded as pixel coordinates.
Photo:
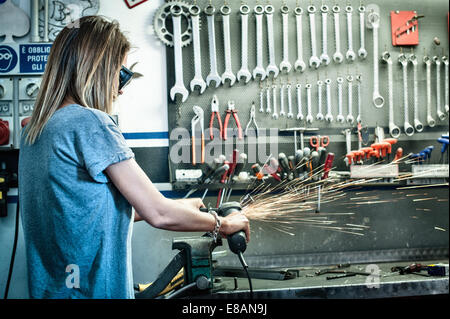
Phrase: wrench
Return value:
(403, 60)
(441, 115)
(324, 57)
(350, 118)
(285, 64)
(290, 115)
(417, 124)
(261, 100)
(228, 74)
(299, 65)
(259, 69)
(350, 55)
(430, 120)
(340, 118)
(282, 112)
(446, 63)
(374, 22)
(274, 102)
(268, 107)
(394, 130)
(213, 74)
(309, 117)
(272, 67)
(329, 116)
(337, 56)
(319, 115)
(359, 89)
(314, 61)
(244, 72)
(362, 52)
(179, 87)
(298, 88)
(198, 79)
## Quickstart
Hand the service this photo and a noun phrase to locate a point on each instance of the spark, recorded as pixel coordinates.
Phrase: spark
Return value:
(439, 228)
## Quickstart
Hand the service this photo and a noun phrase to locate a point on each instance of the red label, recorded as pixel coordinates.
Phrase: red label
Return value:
(133, 3)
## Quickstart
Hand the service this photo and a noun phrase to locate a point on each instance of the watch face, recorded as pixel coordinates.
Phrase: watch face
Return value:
(64, 12)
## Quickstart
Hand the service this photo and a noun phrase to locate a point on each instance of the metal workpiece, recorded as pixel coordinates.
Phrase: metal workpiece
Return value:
(441, 115)
(272, 67)
(394, 130)
(228, 74)
(213, 75)
(244, 71)
(350, 118)
(417, 123)
(274, 102)
(362, 52)
(314, 61)
(340, 81)
(430, 120)
(299, 64)
(309, 117)
(446, 84)
(197, 81)
(319, 115)
(259, 70)
(285, 65)
(359, 95)
(324, 57)
(329, 116)
(350, 55)
(337, 56)
(403, 60)
(298, 89)
(373, 22)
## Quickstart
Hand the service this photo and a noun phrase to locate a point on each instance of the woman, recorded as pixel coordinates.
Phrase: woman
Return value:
(78, 180)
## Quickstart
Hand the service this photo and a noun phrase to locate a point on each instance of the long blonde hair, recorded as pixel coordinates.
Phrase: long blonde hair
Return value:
(83, 65)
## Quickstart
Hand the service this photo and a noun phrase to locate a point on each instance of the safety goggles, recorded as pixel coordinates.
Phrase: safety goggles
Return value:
(125, 77)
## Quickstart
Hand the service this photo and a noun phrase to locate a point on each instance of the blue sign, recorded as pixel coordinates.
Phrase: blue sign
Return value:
(8, 59)
(33, 57)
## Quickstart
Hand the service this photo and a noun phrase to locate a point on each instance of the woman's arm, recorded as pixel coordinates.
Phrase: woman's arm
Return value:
(164, 213)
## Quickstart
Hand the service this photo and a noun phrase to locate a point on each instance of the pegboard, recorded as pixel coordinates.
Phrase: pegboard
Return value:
(432, 26)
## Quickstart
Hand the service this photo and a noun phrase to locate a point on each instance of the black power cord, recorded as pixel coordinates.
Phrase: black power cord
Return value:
(13, 255)
(245, 266)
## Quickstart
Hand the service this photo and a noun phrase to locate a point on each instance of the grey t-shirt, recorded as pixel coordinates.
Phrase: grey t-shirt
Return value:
(77, 224)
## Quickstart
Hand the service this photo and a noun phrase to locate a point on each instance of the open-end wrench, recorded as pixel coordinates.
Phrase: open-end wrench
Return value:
(282, 111)
(430, 120)
(298, 89)
(394, 130)
(314, 61)
(274, 102)
(359, 93)
(340, 118)
(268, 100)
(441, 115)
(403, 60)
(350, 118)
(337, 56)
(362, 52)
(272, 67)
(244, 72)
(319, 115)
(329, 116)
(227, 75)
(197, 81)
(350, 55)
(324, 57)
(299, 64)
(285, 65)
(179, 87)
(417, 124)
(290, 114)
(309, 117)
(446, 63)
(373, 21)
(259, 69)
(213, 74)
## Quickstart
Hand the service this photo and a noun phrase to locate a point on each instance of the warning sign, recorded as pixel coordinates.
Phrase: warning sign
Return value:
(33, 57)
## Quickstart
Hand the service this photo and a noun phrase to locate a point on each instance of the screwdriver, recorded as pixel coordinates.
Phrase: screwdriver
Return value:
(398, 154)
(218, 172)
(237, 170)
(322, 155)
(256, 169)
(314, 160)
(284, 163)
(444, 141)
(298, 160)
(328, 165)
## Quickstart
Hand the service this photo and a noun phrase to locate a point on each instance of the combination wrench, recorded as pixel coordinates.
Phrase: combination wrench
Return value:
(285, 64)
(259, 69)
(350, 118)
(403, 60)
(309, 117)
(319, 115)
(417, 124)
(373, 21)
(274, 102)
(299, 64)
(244, 72)
(225, 10)
(282, 111)
(340, 118)
(179, 87)
(197, 81)
(430, 120)
(350, 55)
(362, 52)
(290, 114)
(329, 116)
(337, 56)
(394, 130)
(359, 93)
(437, 62)
(298, 89)
(268, 100)
(272, 67)
(324, 57)
(213, 74)
(261, 99)
(446, 63)
(314, 61)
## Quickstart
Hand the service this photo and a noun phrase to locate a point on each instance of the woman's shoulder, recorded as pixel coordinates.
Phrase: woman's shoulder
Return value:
(86, 115)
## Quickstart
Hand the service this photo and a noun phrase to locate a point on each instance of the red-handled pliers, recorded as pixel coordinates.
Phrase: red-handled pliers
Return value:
(215, 111)
(231, 110)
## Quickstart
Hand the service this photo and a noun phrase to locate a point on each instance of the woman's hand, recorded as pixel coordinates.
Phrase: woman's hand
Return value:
(233, 223)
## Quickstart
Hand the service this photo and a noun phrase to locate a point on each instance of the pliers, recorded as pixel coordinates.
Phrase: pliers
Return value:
(198, 119)
(215, 111)
(231, 110)
(252, 119)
